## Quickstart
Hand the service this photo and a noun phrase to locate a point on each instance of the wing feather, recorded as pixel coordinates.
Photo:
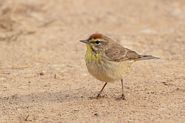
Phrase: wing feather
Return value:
(118, 53)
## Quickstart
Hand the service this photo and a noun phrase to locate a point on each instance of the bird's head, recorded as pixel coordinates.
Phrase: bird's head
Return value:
(97, 42)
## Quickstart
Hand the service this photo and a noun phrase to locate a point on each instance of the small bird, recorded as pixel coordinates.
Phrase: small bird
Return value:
(108, 61)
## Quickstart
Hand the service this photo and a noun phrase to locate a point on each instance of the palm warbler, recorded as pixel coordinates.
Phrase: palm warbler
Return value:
(108, 61)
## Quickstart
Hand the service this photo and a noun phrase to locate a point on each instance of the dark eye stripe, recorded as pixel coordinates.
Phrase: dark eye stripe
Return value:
(97, 42)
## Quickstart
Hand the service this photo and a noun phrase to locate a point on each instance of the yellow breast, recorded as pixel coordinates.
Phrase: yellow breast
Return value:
(90, 56)
(105, 70)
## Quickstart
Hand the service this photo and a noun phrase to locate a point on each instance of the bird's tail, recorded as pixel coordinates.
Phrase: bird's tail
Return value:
(147, 57)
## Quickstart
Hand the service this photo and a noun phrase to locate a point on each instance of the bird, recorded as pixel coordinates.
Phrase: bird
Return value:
(108, 61)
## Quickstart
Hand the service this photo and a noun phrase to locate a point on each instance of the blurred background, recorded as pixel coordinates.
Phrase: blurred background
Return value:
(43, 77)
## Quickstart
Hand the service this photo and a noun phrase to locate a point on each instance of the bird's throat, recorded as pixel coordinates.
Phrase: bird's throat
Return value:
(92, 55)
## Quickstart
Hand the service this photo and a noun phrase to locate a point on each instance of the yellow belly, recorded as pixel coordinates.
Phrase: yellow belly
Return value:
(107, 71)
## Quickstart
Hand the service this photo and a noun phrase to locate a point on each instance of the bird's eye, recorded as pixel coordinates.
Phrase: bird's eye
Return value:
(97, 42)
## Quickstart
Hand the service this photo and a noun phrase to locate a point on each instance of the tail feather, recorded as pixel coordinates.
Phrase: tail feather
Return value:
(147, 57)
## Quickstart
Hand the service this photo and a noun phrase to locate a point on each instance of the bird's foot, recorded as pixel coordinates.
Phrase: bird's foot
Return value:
(122, 97)
(97, 97)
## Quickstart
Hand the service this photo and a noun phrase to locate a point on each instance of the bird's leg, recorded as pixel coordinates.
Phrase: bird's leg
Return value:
(122, 95)
(101, 90)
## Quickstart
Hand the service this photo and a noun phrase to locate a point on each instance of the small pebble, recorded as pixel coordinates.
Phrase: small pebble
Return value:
(41, 73)
(95, 114)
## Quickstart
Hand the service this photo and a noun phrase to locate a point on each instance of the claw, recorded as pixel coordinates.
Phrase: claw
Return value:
(98, 96)
(122, 97)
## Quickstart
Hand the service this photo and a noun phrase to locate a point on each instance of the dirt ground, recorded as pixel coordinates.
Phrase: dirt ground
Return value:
(43, 77)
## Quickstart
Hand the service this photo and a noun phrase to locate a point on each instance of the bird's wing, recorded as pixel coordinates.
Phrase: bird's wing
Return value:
(118, 53)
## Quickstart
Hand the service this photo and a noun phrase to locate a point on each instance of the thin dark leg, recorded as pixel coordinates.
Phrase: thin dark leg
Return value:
(101, 90)
(122, 95)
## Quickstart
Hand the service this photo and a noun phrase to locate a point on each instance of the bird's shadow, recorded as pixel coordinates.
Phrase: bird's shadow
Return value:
(61, 96)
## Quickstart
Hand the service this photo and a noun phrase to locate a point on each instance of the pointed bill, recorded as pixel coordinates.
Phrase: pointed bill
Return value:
(84, 41)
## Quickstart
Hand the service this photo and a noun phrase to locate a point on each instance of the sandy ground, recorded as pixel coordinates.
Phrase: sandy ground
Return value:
(43, 77)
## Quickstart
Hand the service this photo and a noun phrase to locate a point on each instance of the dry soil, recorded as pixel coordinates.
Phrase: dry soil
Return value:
(43, 77)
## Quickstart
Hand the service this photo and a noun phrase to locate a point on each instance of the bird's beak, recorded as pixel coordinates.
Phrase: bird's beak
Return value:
(84, 41)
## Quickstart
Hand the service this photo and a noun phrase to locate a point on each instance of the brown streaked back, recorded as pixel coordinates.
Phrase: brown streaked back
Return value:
(118, 53)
